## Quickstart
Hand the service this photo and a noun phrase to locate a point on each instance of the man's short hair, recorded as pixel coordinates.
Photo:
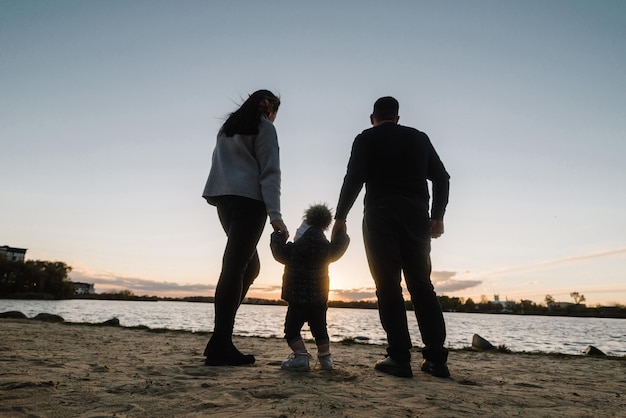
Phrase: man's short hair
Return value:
(386, 108)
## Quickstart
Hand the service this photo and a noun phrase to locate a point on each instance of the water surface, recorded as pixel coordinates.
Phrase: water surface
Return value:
(568, 335)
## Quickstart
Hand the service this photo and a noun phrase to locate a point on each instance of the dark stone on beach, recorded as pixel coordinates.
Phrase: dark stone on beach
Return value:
(113, 322)
(13, 315)
(48, 317)
(593, 351)
(479, 343)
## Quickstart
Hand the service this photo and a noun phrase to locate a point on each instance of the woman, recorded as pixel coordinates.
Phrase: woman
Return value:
(244, 185)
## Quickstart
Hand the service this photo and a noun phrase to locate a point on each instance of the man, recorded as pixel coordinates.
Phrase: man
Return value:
(395, 162)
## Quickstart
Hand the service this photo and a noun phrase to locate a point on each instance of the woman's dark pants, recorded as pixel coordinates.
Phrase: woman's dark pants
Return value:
(243, 220)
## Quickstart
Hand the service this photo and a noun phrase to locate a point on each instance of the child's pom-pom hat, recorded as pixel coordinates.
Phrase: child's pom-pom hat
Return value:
(318, 215)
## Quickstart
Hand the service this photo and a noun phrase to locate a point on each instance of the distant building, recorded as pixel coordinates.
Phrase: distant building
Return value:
(83, 288)
(12, 253)
(507, 305)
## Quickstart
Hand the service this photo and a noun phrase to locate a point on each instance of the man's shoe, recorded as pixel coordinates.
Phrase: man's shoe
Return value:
(436, 369)
(395, 368)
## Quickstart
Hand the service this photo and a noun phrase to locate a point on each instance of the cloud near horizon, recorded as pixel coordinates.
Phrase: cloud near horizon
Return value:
(112, 282)
(556, 262)
(352, 295)
(107, 282)
(444, 282)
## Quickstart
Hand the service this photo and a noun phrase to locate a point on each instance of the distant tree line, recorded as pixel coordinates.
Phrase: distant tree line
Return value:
(528, 307)
(119, 295)
(34, 279)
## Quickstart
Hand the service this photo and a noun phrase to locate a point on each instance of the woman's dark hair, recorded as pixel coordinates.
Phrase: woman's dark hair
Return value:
(245, 120)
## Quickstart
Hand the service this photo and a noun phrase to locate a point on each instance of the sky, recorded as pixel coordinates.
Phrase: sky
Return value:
(109, 111)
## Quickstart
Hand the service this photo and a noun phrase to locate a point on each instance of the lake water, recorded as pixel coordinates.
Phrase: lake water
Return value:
(567, 335)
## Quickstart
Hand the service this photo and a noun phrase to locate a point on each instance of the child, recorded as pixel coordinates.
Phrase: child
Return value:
(306, 284)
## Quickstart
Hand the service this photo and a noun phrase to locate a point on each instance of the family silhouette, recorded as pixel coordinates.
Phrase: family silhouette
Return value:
(395, 163)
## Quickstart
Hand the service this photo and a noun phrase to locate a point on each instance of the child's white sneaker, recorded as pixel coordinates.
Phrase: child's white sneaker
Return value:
(326, 362)
(297, 362)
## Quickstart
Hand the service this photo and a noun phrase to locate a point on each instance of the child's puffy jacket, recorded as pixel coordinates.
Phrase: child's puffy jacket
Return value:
(305, 280)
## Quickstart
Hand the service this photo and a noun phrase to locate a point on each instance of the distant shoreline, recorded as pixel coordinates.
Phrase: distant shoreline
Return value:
(616, 312)
(114, 323)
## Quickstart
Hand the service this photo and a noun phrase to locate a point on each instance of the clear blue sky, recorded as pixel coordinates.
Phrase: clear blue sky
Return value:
(109, 110)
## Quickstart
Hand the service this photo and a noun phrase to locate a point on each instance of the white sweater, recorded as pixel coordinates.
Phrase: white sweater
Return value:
(248, 166)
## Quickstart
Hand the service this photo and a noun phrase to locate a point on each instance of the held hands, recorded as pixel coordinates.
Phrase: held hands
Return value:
(338, 229)
(436, 228)
(280, 228)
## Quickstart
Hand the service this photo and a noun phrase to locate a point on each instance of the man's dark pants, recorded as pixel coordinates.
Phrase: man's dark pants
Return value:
(397, 240)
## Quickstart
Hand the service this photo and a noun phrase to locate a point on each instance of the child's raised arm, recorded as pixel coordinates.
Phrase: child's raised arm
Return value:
(281, 249)
(338, 246)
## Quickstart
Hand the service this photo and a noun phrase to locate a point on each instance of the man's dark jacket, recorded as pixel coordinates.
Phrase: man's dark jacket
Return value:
(395, 162)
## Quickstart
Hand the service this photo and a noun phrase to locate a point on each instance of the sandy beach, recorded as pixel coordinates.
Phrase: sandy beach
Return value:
(70, 370)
